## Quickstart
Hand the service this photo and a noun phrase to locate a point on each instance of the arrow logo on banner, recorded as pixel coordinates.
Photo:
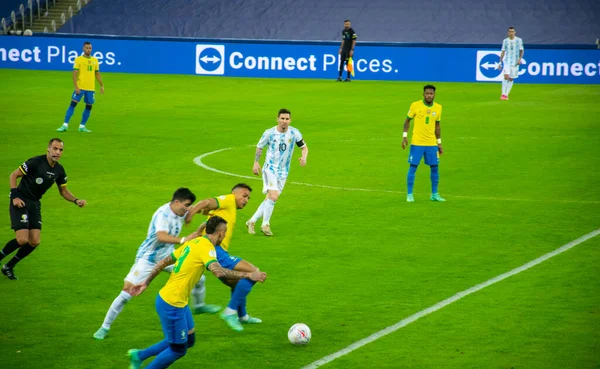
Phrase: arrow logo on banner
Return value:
(212, 59)
(487, 65)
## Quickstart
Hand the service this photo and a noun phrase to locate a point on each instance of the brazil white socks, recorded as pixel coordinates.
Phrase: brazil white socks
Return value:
(229, 311)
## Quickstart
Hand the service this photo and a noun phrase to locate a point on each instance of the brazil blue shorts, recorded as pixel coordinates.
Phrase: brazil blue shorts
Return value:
(88, 96)
(429, 152)
(225, 260)
(175, 321)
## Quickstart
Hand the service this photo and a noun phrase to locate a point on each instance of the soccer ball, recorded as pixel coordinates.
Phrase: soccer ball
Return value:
(299, 334)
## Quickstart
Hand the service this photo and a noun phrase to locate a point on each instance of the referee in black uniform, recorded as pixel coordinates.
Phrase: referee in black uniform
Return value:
(38, 175)
(346, 48)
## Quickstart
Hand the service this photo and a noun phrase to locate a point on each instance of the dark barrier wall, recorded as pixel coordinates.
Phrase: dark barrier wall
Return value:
(437, 21)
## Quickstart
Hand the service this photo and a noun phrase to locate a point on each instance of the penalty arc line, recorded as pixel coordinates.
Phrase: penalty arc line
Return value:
(198, 161)
(406, 321)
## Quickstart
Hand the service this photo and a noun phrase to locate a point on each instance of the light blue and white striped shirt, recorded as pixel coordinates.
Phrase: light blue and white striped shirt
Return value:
(511, 50)
(163, 220)
(280, 149)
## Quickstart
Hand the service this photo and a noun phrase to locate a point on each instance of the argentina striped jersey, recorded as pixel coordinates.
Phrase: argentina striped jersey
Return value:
(163, 220)
(511, 50)
(280, 149)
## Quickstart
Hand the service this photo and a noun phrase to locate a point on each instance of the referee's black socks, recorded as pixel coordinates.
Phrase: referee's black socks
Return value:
(21, 254)
(11, 246)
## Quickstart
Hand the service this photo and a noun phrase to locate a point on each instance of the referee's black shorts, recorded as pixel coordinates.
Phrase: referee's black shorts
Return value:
(27, 217)
(345, 55)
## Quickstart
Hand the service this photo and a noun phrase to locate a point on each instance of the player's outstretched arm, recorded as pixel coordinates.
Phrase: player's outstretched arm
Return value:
(67, 195)
(405, 133)
(220, 272)
(165, 237)
(202, 207)
(256, 167)
(139, 288)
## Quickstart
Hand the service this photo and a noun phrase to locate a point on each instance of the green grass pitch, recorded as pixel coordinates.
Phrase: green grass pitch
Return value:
(521, 179)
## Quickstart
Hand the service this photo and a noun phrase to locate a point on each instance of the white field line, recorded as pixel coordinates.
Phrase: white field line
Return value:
(406, 321)
(198, 161)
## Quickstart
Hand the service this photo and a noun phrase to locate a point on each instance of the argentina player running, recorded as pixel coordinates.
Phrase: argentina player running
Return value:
(280, 141)
(163, 234)
(510, 59)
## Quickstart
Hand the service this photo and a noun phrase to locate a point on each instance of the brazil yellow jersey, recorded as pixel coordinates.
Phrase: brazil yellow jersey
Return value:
(424, 118)
(87, 67)
(193, 257)
(227, 209)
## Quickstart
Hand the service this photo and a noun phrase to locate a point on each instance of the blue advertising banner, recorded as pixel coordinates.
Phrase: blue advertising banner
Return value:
(298, 60)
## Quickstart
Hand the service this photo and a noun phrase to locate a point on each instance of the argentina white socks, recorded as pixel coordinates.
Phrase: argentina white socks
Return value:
(509, 85)
(268, 210)
(115, 309)
(259, 212)
(199, 292)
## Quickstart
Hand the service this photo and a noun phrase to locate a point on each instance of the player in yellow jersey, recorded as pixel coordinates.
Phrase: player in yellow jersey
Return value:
(426, 140)
(226, 206)
(86, 70)
(191, 260)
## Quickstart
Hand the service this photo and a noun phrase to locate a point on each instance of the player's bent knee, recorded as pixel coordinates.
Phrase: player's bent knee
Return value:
(127, 287)
(191, 340)
(74, 103)
(34, 243)
(178, 349)
(229, 282)
(88, 107)
(22, 240)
